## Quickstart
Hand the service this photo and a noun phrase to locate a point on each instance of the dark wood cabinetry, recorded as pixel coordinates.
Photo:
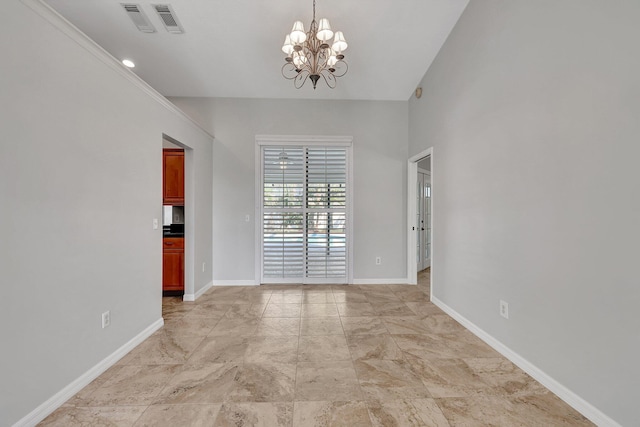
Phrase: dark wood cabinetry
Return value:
(173, 247)
(173, 264)
(173, 176)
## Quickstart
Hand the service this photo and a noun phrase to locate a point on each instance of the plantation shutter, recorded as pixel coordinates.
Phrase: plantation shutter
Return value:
(283, 223)
(304, 214)
(326, 254)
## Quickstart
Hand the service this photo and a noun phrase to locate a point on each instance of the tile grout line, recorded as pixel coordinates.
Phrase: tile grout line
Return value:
(362, 395)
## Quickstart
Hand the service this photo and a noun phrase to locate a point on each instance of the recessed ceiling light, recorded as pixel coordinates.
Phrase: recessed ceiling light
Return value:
(128, 63)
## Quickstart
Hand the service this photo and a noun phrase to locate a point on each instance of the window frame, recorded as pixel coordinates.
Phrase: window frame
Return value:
(304, 141)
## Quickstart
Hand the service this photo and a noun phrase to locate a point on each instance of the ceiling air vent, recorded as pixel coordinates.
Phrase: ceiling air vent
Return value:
(138, 17)
(169, 19)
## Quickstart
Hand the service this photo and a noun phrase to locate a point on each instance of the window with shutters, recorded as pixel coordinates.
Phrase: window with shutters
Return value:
(304, 212)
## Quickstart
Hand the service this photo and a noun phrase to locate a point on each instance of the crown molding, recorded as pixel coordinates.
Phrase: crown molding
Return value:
(80, 38)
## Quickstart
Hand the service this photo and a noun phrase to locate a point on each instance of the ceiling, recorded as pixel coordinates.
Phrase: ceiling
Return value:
(231, 48)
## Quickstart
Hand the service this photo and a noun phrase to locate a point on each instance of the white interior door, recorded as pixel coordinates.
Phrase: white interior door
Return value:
(423, 221)
(419, 210)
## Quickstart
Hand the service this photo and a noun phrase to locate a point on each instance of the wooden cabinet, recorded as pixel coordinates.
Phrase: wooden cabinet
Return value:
(173, 176)
(173, 247)
(173, 264)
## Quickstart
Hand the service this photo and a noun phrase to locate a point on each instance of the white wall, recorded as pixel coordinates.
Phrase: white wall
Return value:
(379, 131)
(168, 144)
(532, 109)
(81, 170)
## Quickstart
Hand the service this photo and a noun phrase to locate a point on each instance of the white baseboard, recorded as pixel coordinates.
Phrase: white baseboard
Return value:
(579, 404)
(235, 283)
(193, 297)
(402, 281)
(53, 403)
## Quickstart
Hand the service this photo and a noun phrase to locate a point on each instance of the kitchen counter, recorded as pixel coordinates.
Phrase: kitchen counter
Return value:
(170, 234)
(175, 230)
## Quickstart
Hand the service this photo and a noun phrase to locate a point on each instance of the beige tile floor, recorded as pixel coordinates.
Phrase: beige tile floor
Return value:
(313, 356)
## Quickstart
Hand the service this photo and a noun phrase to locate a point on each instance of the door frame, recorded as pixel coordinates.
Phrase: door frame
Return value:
(189, 218)
(297, 140)
(412, 178)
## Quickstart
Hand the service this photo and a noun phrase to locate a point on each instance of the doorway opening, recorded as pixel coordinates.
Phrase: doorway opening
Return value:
(419, 215)
(177, 220)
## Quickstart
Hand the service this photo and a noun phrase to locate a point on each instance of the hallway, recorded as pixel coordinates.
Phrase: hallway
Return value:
(313, 356)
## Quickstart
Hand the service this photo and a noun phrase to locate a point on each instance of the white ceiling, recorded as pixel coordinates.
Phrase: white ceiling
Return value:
(231, 48)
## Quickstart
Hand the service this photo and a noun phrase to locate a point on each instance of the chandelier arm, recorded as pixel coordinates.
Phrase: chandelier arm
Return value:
(314, 66)
(287, 67)
(300, 79)
(310, 64)
(320, 63)
(341, 68)
(329, 79)
(289, 71)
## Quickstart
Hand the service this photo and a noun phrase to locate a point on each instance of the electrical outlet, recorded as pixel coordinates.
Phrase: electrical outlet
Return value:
(106, 319)
(378, 260)
(504, 309)
(155, 223)
(203, 264)
(247, 218)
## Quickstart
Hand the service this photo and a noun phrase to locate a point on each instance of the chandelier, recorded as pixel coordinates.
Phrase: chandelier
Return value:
(310, 56)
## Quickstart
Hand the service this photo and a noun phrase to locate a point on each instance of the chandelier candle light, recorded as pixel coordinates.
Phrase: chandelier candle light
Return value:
(309, 54)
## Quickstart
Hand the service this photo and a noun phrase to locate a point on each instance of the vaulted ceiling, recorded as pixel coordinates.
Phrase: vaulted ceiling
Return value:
(231, 48)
